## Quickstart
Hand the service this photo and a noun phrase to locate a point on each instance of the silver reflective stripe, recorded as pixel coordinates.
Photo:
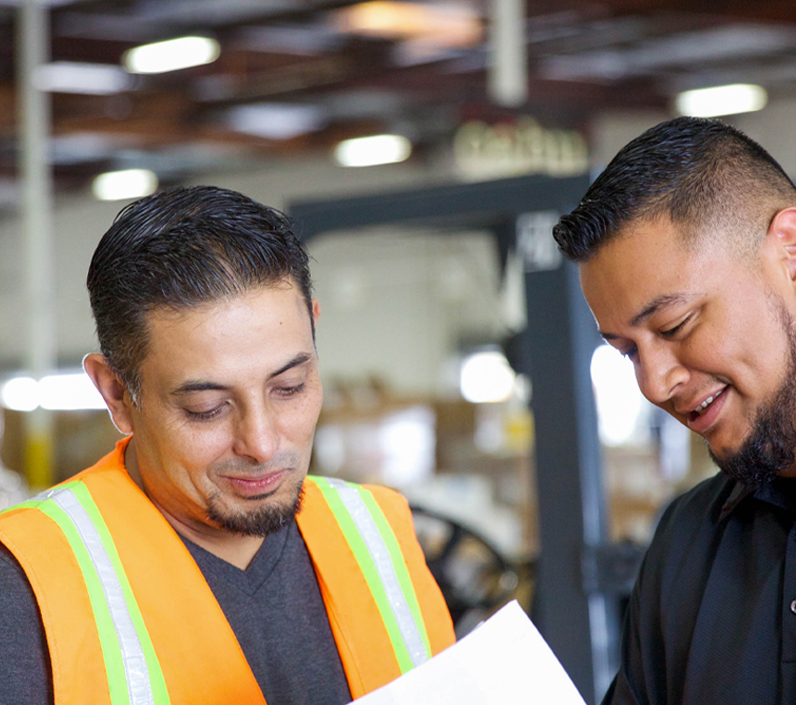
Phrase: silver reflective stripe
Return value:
(378, 551)
(135, 667)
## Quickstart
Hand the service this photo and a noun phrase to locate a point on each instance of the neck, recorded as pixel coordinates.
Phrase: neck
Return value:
(237, 549)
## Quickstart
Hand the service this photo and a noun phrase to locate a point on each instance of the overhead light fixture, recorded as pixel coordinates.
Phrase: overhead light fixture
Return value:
(448, 24)
(82, 78)
(69, 391)
(276, 121)
(171, 55)
(125, 184)
(486, 376)
(722, 100)
(374, 150)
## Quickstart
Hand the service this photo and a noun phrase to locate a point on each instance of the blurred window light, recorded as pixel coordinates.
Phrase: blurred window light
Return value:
(276, 121)
(82, 78)
(618, 398)
(408, 442)
(69, 391)
(171, 55)
(722, 100)
(125, 184)
(372, 151)
(486, 377)
(20, 394)
(57, 392)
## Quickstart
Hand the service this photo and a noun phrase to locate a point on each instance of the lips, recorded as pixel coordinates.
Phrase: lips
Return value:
(705, 414)
(257, 485)
(703, 407)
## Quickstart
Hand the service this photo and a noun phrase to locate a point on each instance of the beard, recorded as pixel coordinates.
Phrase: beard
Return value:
(770, 448)
(260, 521)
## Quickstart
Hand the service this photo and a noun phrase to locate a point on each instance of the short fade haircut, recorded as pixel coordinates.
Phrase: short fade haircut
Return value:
(707, 177)
(180, 248)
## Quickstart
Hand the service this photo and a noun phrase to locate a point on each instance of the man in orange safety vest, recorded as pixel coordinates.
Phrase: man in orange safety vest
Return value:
(197, 562)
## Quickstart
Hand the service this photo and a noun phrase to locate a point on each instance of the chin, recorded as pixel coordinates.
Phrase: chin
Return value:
(256, 518)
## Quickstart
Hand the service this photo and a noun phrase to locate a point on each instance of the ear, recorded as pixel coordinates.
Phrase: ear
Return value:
(316, 311)
(112, 389)
(783, 228)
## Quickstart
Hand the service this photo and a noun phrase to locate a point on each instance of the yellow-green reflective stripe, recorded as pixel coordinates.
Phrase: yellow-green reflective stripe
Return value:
(134, 675)
(376, 561)
(398, 562)
(157, 682)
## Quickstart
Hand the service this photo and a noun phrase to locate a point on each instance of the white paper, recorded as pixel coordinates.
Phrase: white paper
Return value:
(503, 661)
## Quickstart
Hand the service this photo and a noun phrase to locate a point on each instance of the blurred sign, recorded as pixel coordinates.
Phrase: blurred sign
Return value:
(522, 147)
(535, 243)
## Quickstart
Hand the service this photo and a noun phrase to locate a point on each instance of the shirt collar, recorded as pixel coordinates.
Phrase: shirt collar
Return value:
(738, 494)
(777, 493)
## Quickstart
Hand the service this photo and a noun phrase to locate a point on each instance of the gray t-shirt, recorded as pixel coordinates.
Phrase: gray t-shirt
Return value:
(274, 607)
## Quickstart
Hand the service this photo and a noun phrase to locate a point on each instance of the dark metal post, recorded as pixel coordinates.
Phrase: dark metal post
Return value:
(560, 340)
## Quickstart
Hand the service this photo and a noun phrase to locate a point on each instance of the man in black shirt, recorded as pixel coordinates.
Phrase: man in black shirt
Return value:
(686, 246)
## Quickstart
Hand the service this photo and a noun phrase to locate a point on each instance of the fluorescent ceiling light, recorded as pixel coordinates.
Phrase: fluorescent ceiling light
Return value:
(171, 55)
(58, 392)
(617, 396)
(86, 79)
(449, 24)
(121, 185)
(486, 377)
(370, 151)
(722, 100)
(276, 121)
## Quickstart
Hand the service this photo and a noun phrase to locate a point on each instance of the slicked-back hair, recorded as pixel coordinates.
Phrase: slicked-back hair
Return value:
(707, 177)
(181, 248)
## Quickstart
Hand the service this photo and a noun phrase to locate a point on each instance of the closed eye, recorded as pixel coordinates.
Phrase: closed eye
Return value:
(630, 353)
(287, 392)
(674, 331)
(204, 415)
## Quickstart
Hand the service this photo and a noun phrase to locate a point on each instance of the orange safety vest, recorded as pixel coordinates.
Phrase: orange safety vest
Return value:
(129, 617)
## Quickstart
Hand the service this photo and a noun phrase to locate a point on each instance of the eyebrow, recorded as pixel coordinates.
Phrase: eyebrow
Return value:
(191, 386)
(658, 303)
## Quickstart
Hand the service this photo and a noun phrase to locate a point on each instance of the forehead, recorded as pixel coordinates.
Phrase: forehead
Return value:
(250, 333)
(642, 264)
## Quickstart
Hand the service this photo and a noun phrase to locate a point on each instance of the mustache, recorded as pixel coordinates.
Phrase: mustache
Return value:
(283, 460)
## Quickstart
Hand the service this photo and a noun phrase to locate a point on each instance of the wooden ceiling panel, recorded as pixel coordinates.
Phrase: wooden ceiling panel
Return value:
(189, 107)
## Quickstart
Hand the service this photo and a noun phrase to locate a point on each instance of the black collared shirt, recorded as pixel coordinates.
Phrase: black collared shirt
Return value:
(712, 619)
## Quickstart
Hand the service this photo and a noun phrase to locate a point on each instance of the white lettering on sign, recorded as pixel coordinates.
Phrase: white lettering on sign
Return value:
(535, 243)
(521, 147)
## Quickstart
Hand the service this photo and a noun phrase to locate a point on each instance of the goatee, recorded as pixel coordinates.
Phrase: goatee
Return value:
(260, 521)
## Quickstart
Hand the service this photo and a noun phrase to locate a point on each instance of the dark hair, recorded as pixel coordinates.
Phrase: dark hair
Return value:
(179, 248)
(696, 171)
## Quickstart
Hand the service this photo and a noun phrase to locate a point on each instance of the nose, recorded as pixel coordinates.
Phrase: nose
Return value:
(256, 434)
(659, 373)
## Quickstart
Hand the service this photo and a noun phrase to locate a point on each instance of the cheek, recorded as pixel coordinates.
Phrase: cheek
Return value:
(194, 448)
(297, 422)
(750, 349)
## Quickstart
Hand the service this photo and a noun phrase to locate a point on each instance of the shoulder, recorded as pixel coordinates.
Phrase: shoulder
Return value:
(686, 536)
(699, 509)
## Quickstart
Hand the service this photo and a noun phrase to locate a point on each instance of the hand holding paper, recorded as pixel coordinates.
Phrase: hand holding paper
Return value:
(503, 661)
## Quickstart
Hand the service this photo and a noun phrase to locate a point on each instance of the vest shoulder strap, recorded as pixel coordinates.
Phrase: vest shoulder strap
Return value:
(387, 614)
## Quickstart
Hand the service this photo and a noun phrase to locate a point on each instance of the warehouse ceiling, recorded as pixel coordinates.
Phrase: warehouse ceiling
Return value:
(296, 77)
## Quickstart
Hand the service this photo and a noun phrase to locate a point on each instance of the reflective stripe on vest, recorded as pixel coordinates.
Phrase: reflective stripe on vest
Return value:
(379, 556)
(134, 674)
